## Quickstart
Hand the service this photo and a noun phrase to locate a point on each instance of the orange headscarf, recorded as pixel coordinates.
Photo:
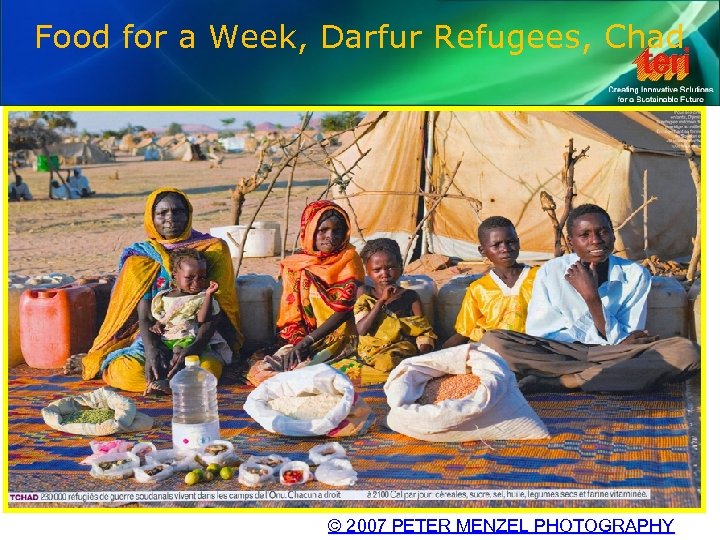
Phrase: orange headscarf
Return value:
(335, 275)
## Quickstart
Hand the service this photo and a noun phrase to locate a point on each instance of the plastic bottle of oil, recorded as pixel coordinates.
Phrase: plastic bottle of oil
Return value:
(195, 419)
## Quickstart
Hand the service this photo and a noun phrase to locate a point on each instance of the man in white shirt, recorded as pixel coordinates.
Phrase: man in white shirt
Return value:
(19, 191)
(79, 183)
(586, 319)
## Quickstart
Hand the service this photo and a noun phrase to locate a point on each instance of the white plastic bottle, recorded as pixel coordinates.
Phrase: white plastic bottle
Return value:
(195, 419)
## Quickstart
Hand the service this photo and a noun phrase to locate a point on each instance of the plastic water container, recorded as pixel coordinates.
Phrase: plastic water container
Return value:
(277, 294)
(55, 323)
(667, 308)
(424, 286)
(259, 242)
(15, 356)
(278, 234)
(449, 300)
(255, 296)
(195, 420)
(102, 289)
(694, 307)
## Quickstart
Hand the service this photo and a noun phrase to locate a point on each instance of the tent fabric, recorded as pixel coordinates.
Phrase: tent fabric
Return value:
(80, 153)
(392, 167)
(506, 159)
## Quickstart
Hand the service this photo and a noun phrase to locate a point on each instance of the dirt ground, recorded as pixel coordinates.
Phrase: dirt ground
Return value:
(86, 236)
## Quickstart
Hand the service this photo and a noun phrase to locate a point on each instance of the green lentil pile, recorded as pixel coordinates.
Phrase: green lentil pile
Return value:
(88, 416)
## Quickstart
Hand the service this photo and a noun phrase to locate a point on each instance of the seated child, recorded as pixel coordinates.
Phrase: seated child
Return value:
(389, 319)
(500, 298)
(181, 311)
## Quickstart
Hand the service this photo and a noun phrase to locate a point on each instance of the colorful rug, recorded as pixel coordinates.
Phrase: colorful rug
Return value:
(606, 442)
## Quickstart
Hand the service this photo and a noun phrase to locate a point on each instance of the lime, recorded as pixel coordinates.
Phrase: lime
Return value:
(192, 478)
(208, 476)
(213, 468)
(226, 473)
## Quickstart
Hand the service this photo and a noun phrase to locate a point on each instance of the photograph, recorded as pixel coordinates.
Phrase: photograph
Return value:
(390, 308)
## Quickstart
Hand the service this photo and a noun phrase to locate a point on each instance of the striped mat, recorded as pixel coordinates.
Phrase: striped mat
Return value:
(599, 442)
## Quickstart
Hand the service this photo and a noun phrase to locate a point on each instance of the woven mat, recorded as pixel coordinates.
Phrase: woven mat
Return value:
(597, 442)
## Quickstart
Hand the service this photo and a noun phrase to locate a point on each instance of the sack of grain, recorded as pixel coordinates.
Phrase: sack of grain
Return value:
(87, 414)
(495, 410)
(311, 401)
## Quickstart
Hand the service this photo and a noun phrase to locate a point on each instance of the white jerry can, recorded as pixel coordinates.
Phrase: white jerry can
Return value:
(424, 286)
(15, 356)
(255, 296)
(667, 308)
(695, 312)
(449, 300)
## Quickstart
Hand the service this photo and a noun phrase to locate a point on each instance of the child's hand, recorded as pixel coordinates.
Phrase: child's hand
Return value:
(388, 293)
(157, 328)
(425, 348)
(212, 288)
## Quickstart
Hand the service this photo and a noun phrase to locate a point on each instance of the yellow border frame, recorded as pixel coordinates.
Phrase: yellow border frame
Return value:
(335, 511)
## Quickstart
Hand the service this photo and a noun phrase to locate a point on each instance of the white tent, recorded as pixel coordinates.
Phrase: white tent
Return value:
(504, 160)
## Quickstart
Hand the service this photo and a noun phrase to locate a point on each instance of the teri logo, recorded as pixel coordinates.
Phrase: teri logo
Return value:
(669, 66)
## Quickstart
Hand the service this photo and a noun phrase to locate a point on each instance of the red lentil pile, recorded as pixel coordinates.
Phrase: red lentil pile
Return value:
(449, 387)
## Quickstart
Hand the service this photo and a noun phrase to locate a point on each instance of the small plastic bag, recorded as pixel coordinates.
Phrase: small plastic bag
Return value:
(142, 449)
(216, 452)
(294, 473)
(273, 461)
(325, 452)
(115, 466)
(336, 472)
(254, 474)
(180, 461)
(103, 448)
(150, 474)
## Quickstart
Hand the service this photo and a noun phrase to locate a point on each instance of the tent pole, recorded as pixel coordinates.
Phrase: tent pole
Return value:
(429, 151)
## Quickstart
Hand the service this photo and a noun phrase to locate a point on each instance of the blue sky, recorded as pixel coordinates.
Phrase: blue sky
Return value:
(98, 121)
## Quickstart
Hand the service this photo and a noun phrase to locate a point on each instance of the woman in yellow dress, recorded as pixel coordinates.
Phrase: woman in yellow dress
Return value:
(126, 352)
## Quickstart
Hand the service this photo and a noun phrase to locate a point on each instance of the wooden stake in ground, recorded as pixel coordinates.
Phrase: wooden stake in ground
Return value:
(695, 173)
(548, 204)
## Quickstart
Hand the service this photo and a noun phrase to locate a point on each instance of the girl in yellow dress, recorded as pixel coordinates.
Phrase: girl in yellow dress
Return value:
(389, 319)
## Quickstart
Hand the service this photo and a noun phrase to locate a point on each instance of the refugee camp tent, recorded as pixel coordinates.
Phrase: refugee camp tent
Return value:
(79, 153)
(153, 152)
(143, 145)
(504, 160)
(186, 151)
(127, 143)
(233, 144)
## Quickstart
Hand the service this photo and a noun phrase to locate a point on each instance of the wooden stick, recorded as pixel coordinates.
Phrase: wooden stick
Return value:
(695, 173)
(645, 213)
(634, 213)
(435, 204)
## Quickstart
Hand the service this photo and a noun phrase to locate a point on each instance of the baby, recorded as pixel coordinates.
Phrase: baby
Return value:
(189, 303)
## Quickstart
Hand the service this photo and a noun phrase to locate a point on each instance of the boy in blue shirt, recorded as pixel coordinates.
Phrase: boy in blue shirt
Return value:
(586, 319)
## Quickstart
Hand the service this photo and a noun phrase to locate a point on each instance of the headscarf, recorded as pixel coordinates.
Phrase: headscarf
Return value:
(335, 275)
(139, 266)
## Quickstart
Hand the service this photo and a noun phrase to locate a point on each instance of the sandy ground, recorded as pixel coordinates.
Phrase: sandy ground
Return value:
(85, 236)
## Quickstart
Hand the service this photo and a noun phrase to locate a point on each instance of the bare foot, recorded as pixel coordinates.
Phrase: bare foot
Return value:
(73, 365)
(160, 387)
(533, 383)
